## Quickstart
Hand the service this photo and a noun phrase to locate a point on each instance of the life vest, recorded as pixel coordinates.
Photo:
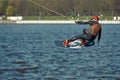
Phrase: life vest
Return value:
(95, 29)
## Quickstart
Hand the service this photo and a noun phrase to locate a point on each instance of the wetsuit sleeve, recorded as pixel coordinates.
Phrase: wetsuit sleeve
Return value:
(99, 35)
(87, 22)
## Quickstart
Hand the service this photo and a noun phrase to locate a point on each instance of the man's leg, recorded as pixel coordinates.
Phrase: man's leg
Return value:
(66, 42)
(82, 36)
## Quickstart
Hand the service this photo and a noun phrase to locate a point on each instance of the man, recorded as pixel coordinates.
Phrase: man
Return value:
(90, 35)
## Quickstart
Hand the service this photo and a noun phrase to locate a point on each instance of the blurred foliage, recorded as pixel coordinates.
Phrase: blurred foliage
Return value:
(74, 8)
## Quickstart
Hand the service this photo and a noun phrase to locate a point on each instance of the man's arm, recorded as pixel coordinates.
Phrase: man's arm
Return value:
(84, 22)
(99, 36)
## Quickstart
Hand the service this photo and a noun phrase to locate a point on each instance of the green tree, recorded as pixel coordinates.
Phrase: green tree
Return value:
(64, 7)
(11, 8)
(3, 6)
(10, 11)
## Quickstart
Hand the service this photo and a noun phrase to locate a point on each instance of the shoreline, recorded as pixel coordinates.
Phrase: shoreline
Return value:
(52, 22)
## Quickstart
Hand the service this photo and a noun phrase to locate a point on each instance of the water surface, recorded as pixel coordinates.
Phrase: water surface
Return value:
(28, 52)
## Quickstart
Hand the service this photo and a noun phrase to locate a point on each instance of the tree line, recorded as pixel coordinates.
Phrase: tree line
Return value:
(59, 7)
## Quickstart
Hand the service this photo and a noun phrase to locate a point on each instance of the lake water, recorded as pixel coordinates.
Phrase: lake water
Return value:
(28, 52)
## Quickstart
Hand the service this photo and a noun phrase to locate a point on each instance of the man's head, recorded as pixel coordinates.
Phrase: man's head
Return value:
(95, 18)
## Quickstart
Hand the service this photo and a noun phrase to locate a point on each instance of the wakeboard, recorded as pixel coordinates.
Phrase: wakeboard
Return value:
(74, 44)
